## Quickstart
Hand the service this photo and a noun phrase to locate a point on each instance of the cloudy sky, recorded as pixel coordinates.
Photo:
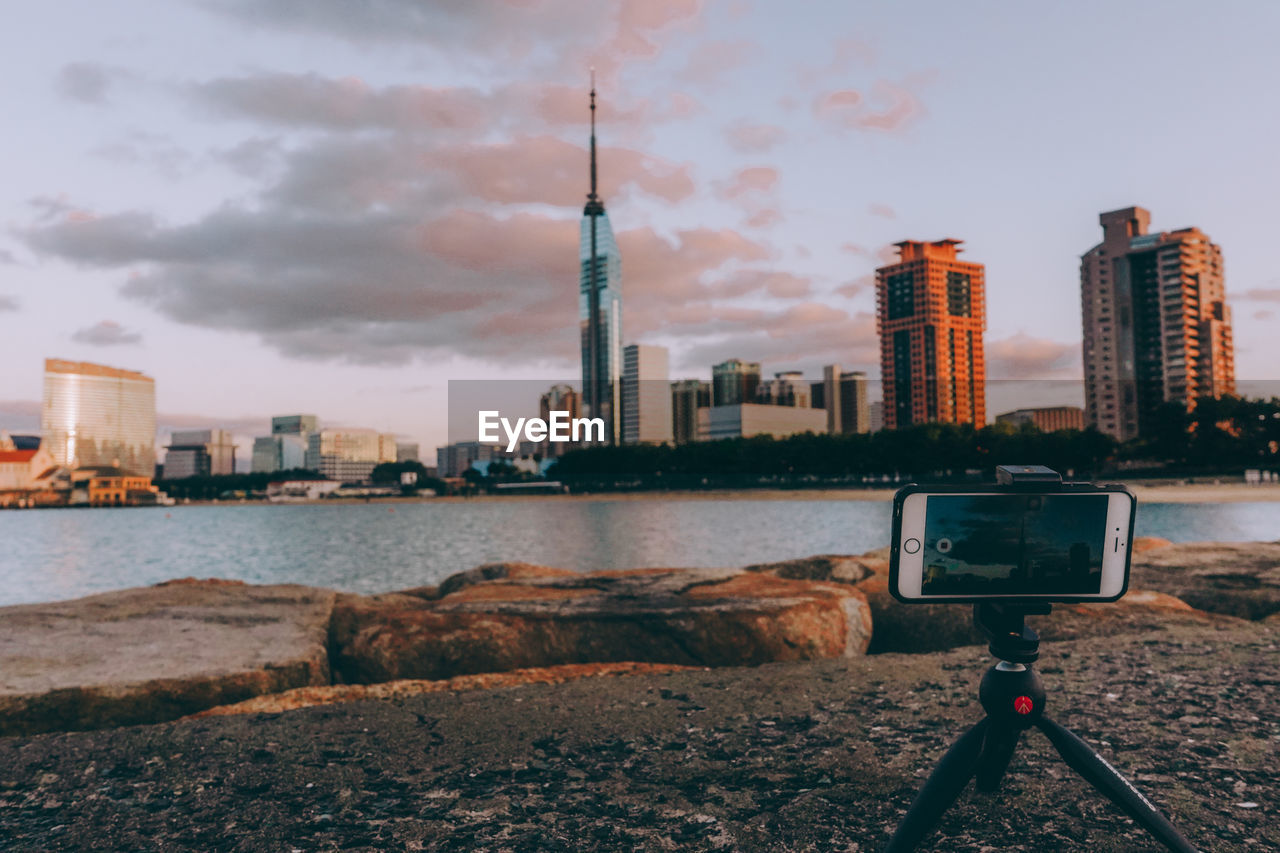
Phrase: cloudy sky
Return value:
(275, 206)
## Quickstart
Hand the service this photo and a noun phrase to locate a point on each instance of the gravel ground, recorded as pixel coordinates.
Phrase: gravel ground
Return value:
(815, 756)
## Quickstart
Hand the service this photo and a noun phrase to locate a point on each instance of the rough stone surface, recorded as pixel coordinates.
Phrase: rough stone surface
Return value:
(156, 653)
(509, 620)
(1234, 578)
(917, 628)
(808, 756)
(306, 697)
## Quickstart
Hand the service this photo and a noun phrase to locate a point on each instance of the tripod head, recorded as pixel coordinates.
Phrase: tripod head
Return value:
(1008, 637)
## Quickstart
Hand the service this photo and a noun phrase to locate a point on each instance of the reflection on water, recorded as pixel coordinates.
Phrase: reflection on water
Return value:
(53, 554)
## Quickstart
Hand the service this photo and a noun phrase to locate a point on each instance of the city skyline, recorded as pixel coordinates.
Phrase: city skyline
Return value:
(295, 222)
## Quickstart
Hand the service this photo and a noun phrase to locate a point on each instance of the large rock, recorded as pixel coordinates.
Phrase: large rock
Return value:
(535, 617)
(156, 653)
(334, 694)
(1233, 578)
(917, 628)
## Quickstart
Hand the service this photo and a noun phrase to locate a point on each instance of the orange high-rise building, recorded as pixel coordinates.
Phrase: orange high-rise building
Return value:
(1156, 325)
(931, 313)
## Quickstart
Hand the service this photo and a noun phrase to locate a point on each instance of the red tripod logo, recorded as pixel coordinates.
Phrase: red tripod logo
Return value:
(1022, 705)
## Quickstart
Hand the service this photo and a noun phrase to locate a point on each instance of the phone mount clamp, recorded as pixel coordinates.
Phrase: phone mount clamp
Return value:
(1013, 696)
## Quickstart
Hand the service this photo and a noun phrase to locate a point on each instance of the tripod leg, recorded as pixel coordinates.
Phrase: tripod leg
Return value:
(997, 750)
(1081, 758)
(940, 790)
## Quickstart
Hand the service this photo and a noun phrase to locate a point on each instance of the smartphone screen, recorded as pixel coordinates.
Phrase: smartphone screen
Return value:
(1065, 545)
(1014, 544)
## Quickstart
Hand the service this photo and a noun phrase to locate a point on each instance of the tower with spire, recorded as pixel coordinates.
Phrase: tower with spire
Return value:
(600, 305)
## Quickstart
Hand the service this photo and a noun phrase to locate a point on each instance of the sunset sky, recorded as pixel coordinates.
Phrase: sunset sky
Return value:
(278, 206)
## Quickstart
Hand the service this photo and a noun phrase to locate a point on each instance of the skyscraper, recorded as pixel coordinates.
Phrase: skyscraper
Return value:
(787, 388)
(931, 312)
(844, 396)
(646, 395)
(687, 397)
(600, 306)
(1156, 324)
(93, 415)
(734, 382)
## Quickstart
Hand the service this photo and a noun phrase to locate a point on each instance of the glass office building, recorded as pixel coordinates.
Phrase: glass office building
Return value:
(600, 308)
(607, 371)
(93, 416)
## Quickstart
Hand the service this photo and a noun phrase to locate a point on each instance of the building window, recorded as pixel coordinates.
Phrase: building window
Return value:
(902, 295)
(959, 294)
(902, 378)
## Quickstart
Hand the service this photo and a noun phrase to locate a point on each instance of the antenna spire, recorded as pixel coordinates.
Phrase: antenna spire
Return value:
(592, 196)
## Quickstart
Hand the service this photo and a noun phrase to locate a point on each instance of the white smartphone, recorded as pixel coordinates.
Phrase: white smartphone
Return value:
(1002, 544)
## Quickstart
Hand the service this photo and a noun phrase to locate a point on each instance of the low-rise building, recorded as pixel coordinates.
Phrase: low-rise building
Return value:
(20, 466)
(349, 455)
(107, 485)
(300, 490)
(1045, 418)
(200, 453)
(453, 459)
(750, 419)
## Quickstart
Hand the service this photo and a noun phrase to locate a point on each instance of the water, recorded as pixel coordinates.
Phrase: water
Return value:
(56, 554)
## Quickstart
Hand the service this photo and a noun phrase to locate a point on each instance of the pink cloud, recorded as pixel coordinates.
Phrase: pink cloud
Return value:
(755, 179)
(754, 138)
(548, 170)
(1262, 294)
(711, 60)
(1025, 357)
(856, 286)
(884, 211)
(764, 218)
(890, 107)
(801, 336)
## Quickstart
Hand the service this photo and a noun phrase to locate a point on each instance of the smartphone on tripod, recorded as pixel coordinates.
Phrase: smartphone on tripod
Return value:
(1069, 542)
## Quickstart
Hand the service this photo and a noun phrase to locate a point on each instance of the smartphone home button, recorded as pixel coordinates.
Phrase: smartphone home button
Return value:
(911, 546)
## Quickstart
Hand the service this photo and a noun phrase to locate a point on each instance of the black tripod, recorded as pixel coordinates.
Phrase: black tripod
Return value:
(1013, 697)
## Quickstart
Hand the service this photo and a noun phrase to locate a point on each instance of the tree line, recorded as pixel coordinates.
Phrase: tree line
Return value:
(1218, 436)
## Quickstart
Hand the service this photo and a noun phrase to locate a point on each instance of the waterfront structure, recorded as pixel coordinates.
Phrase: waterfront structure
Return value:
(744, 420)
(108, 485)
(1157, 327)
(20, 464)
(1045, 418)
(646, 395)
(407, 451)
(349, 455)
(734, 381)
(843, 394)
(600, 307)
(92, 414)
(931, 313)
(559, 398)
(688, 396)
(281, 491)
(200, 453)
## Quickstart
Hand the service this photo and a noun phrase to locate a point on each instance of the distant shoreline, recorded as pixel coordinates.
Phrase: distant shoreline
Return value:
(1172, 494)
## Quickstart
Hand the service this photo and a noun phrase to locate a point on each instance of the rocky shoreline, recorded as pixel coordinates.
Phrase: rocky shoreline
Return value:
(522, 707)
